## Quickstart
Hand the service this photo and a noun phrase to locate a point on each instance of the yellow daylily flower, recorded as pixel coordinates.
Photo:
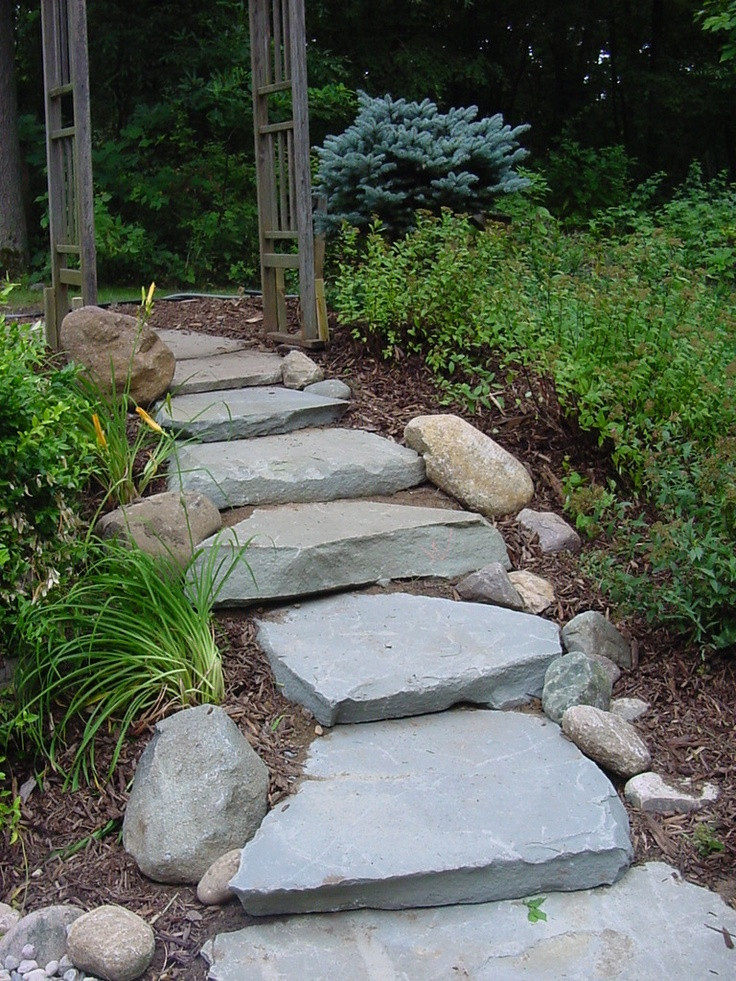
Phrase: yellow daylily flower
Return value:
(151, 423)
(101, 438)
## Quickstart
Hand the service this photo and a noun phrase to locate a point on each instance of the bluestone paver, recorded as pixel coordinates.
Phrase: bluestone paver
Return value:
(237, 369)
(309, 465)
(358, 658)
(464, 806)
(298, 549)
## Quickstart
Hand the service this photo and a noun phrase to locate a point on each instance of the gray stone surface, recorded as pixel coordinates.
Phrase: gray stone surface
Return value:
(237, 369)
(333, 388)
(649, 926)
(241, 413)
(168, 525)
(491, 584)
(199, 791)
(310, 548)
(186, 344)
(609, 740)
(358, 658)
(553, 532)
(591, 633)
(309, 465)
(45, 929)
(574, 679)
(464, 806)
(650, 792)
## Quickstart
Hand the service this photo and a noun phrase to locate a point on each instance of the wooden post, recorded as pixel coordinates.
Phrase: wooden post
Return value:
(279, 65)
(68, 158)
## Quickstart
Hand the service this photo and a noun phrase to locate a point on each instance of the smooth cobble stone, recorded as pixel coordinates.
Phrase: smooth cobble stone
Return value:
(52, 967)
(27, 965)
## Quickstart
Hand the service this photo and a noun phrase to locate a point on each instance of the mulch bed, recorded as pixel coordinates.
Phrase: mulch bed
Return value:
(64, 857)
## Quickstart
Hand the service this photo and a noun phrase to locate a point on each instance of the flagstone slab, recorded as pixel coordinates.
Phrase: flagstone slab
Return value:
(240, 413)
(649, 924)
(359, 658)
(236, 369)
(309, 465)
(298, 549)
(464, 806)
(185, 344)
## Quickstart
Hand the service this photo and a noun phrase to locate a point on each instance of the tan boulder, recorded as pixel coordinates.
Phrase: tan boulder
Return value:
(170, 524)
(464, 462)
(112, 344)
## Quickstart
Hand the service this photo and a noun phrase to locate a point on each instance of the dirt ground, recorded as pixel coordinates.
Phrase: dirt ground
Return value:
(70, 850)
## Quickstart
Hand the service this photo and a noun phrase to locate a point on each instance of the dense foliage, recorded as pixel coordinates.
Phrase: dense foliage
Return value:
(638, 87)
(45, 461)
(636, 323)
(400, 156)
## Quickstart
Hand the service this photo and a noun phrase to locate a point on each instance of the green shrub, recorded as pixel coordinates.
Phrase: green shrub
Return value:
(400, 156)
(640, 341)
(45, 461)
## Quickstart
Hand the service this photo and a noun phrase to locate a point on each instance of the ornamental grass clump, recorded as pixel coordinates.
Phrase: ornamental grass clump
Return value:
(121, 644)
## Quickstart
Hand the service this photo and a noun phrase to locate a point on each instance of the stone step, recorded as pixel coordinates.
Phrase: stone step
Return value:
(300, 549)
(650, 924)
(186, 344)
(240, 413)
(309, 465)
(238, 369)
(465, 806)
(361, 658)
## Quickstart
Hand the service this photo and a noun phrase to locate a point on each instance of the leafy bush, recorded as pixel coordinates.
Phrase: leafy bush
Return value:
(400, 156)
(640, 340)
(583, 180)
(45, 461)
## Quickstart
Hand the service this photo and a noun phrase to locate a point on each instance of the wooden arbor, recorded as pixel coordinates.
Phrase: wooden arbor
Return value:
(68, 158)
(278, 46)
(281, 125)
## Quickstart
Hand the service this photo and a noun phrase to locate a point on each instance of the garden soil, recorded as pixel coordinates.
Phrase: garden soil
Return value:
(69, 849)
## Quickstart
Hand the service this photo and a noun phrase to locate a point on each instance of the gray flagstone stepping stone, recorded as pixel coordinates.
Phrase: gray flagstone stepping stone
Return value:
(651, 924)
(298, 549)
(239, 413)
(309, 465)
(185, 344)
(359, 658)
(466, 806)
(237, 369)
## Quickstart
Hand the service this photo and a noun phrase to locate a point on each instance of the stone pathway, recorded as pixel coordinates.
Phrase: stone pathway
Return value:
(402, 815)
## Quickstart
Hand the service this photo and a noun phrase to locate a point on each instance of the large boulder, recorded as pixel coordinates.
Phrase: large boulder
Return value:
(199, 791)
(169, 525)
(469, 465)
(111, 345)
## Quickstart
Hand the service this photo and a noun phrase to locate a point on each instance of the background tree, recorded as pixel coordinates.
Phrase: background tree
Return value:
(13, 230)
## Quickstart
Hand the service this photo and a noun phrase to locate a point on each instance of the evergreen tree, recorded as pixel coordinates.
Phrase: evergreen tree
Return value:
(399, 157)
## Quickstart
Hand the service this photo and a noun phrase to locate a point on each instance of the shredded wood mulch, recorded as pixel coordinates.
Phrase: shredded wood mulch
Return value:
(69, 850)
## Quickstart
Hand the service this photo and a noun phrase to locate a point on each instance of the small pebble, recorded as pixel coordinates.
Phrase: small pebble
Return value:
(11, 962)
(4, 975)
(65, 963)
(72, 974)
(52, 968)
(36, 975)
(28, 952)
(27, 965)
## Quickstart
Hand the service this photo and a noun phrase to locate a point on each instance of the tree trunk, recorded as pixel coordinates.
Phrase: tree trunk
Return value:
(13, 229)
